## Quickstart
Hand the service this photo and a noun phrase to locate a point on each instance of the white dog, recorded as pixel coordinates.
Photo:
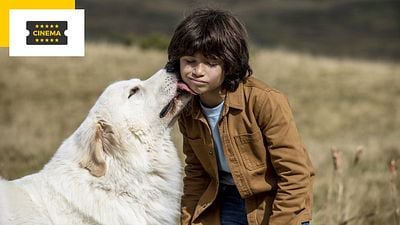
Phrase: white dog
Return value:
(119, 167)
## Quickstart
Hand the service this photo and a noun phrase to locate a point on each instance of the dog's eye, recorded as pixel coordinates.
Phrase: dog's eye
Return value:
(133, 91)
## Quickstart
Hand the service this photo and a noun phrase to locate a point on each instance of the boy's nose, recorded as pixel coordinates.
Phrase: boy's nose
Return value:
(198, 70)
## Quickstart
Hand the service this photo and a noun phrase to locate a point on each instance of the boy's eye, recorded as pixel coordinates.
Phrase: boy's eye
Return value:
(190, 61)
(212, 63)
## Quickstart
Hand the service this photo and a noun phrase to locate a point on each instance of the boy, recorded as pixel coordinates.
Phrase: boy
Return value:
(245, 161)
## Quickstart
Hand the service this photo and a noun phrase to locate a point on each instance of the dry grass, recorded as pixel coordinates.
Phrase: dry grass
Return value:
(337, 102)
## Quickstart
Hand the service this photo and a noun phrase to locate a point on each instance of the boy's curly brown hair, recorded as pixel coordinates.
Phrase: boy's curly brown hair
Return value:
(216, 34)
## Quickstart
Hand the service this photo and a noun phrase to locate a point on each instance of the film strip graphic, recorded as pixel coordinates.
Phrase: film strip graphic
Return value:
(46, 33)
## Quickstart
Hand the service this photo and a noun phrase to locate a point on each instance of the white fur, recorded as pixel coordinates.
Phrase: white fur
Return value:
(141, 182)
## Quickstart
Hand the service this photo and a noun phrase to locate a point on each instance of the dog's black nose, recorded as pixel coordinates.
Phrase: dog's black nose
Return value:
(171, 67)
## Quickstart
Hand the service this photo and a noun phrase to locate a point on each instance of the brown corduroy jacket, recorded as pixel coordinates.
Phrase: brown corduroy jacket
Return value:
(267, 158)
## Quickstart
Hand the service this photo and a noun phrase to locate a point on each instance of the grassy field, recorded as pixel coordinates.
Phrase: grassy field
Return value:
(338, 104)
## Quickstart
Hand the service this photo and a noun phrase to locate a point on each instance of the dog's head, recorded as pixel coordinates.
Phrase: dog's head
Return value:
(129, 110)
(154, 102)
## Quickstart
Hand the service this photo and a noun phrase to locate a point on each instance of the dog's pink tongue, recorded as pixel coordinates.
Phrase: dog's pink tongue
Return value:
(184, 87)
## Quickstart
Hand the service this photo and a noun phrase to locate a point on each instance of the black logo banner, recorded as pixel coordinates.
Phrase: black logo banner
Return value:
(46, 33)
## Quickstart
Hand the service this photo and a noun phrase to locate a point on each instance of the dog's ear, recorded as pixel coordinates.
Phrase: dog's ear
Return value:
(103, 142)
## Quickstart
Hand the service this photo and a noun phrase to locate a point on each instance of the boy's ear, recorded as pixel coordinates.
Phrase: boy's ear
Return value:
(102, 143)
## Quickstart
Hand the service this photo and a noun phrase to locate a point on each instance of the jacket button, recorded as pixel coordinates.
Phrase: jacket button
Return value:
(210, 152)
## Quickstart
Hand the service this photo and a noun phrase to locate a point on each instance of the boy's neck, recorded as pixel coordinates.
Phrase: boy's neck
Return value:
(212, 99)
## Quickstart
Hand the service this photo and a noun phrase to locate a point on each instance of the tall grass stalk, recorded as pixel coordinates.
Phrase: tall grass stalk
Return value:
(335, 196)
(393, 191)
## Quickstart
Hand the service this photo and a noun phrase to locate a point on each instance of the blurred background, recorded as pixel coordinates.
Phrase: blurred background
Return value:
(336, 60)
(359, 28)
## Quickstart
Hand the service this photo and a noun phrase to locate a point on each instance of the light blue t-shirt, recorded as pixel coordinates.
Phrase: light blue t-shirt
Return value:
(213, 115)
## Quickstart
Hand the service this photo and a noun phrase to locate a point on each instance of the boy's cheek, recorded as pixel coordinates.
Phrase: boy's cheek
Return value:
(185, 69)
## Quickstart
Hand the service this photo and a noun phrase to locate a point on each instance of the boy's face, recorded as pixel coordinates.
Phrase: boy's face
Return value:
(203, 75)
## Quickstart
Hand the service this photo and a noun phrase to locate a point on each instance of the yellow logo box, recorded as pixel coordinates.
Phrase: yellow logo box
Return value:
(6, 5)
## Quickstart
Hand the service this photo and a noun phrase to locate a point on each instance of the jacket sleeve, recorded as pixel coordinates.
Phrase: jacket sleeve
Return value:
(289, 159)
(195, 180)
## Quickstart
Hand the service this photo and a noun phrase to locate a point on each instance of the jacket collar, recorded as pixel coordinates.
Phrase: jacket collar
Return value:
(235, 99)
